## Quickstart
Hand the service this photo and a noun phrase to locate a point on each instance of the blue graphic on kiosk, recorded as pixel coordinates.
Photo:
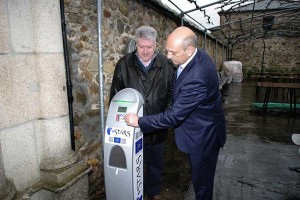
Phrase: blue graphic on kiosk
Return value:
(117, 140)
(108, 131)
(138, 145)
(139, 198)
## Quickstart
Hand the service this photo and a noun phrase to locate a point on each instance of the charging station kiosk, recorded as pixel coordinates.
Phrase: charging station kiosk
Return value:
(123, 148)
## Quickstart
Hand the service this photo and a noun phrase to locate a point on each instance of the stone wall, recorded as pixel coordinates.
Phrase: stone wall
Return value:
(120, 18)
(281, 45)
(280, 54)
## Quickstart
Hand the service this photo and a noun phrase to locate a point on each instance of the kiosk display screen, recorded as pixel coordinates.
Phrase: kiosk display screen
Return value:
(122, 109)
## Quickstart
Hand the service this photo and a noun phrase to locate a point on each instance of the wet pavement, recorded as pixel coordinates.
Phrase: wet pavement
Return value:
(254, 162)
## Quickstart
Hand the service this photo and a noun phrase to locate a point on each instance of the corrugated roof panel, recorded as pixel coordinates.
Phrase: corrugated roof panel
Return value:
(269, 5)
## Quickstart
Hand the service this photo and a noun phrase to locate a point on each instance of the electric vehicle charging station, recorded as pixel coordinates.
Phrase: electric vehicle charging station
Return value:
(123, 148)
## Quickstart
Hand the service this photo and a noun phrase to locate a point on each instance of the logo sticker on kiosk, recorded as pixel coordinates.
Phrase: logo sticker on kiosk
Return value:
(118, 135)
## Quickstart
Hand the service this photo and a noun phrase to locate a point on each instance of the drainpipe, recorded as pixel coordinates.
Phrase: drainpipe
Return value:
(101, 75)
(229, 50)
(263, 56)
(223, 52)
(68, 77)
(216, 48)
(205, 40)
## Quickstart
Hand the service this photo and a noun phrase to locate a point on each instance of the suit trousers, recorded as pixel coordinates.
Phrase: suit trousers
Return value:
(203, 173)
(153, 159)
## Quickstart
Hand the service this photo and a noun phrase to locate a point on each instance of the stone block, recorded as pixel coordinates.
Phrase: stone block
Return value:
(58, 178)
(31, 22)
(4, 29)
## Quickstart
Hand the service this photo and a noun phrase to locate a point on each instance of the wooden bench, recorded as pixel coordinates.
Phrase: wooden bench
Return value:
(279, 85)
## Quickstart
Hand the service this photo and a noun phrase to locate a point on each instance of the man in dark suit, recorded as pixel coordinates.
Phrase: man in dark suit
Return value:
(197, 114)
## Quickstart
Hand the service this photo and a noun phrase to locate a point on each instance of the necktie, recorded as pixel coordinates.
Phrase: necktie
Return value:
(179, 70)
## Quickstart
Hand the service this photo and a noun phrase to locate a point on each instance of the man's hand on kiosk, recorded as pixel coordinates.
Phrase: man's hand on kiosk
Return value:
(132, 119)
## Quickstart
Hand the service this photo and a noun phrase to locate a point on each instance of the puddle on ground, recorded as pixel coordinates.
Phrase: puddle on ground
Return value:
(242, 118)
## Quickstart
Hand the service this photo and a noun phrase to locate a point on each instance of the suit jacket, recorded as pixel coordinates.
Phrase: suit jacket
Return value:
(197, 113)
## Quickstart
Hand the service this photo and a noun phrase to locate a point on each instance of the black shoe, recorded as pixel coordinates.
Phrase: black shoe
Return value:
(155, 197)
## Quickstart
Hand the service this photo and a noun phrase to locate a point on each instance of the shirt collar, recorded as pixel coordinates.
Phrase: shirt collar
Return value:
(189, 60)
(148, 64)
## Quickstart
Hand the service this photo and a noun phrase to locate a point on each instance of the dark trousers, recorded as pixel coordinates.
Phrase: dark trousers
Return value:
(153, 159)
(203, 173)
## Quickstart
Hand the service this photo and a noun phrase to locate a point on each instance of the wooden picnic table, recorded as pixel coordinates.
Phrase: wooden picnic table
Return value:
(275, 81)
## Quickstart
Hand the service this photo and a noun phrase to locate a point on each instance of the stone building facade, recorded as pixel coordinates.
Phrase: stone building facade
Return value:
(120, 18)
